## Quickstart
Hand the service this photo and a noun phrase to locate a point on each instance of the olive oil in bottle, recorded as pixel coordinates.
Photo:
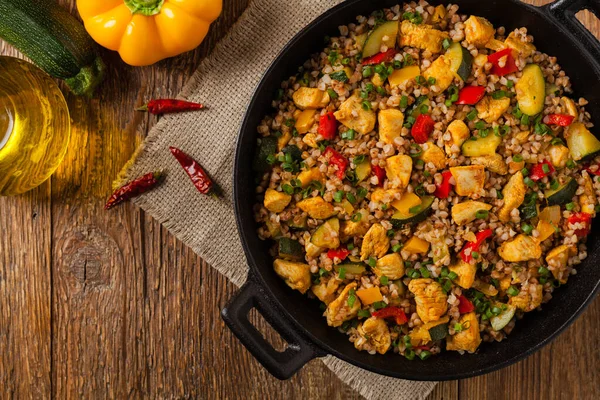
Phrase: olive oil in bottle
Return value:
(34, 126)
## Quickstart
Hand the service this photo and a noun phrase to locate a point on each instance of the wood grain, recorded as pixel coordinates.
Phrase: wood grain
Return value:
(110, 305)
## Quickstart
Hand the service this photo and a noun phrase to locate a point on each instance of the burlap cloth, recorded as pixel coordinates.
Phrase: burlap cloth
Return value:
(225, 81)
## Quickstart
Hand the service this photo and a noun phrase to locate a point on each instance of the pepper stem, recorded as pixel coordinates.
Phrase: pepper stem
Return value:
(144, 7)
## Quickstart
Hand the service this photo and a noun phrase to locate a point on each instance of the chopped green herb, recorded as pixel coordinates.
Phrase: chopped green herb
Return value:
(424, 272)
(350, 134)
(446, 43)
(424, 355)
(384, 280)
(527, 229)
(366, 105)
(356, 217)
(431, 81)
(570, 206)
(543, 271)
(404, 102)
(512, 291)
(287, 188)
(420, 80)
(339, 76)
(571, 164)
(290, 122)
(453, 275)
(499, 94)
(364, 313)
(510, 84)
(372, 261)
(475, 254)
(409, 354)
(342, 273)
(545, 168)
(381, 91)
(332, 93)
(525, 172)
(346, 61)
(396, 248)
(557, 141)
(458, 327)
(472, 115)
(482, 214)
(480, 125)
(517, 158)
(333, 57)
(338, 196)
(413, 17)
(390, 233)
(525, 119)
(351, 198)
(378, 305)
(351, 298)
(367, 71)
(528, 181)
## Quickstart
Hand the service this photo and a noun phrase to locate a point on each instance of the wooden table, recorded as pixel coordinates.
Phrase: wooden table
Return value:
(97, 304)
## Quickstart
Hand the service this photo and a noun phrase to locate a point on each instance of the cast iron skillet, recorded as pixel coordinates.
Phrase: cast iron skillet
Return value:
(297, 318)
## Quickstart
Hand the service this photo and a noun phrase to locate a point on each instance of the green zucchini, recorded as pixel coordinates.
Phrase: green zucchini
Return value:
(399, 219)
(529, 208)
(54, 40)
(375, 39)
(299, 222)
(501, 320)
(363, 170)
(351, 268)
(481, 146)
(290, 249)
(438, 332)
(293, 151)
(582, 144)
(461, 60)
(267, 147)
(274, 228)
(531, 90)
(563, 195)
(327, 235)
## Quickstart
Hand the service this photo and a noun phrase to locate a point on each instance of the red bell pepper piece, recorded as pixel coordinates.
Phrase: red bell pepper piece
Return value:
(379, 173)
(510, 65)
(470, 95)
(422, 128)
(443, 189)
(340, 253)
(559, 119)
(596, 172)
(392, 312)
(465, 305)
(474, 246)
(328, 126)
(338, 160)
(423, 348)
(581, 217)
(380, 57)
(537, 171)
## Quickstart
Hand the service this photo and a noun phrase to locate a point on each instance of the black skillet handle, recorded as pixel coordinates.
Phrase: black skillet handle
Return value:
(564, 12)
(282, 365)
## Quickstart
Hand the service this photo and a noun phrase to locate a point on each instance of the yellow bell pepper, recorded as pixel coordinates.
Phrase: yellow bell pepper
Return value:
(147, 31)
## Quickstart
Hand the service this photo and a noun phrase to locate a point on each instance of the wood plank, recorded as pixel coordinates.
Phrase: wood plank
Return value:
(25, 295)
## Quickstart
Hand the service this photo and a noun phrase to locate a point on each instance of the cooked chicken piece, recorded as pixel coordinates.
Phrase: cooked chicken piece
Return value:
(559, 155)
(351, 229)
(442, 72)
(430, 299)
(352, 114)
(521, 248)
(306, 97)
(478, 31)
(386, 196)
(469, 180)
(422, 36)
(434, 155)
(276, 201)
(525, 49)
(398, 169)
(466, 273)
(514, 195)
(311, 140)
(344, 308)
(587, 200)
(465, 212)
(316, 207)
(494, 163)
(325, 291)
(390, 124)
(391, 266)
(558, 259)
(529, 298)
(469, 338)
(376, 332)
(313, 174)
(459, 133)
(375, 243)
(439, 13)
(296, 275)
(490, 109)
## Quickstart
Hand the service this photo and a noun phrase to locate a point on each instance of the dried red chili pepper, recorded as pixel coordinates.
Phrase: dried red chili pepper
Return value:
(328, 126)
(470, 95)
(336, 158)
(559, 119)
(422, 128)
(538, 171)
(133, 189)
(443, 189)
(199, 177)
(581, 217)
(380, 57)
(379, 173)
(340, 253)
(392, 312)
(465, 305)
(510, 65)
(169, 106)
(474, 246)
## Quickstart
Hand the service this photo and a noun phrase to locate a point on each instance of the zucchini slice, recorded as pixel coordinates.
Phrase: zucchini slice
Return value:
(351, 268)
(399, 219)
(267, 147)
(375, 39)
(363, 170)
(438, 332)
(531, 90)
(299, 222)
(327, 235)
(563, 195)
(501, 320)
(293, 151)
(481, 146)
(290, 249)
(461, 60)
(581, 142)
